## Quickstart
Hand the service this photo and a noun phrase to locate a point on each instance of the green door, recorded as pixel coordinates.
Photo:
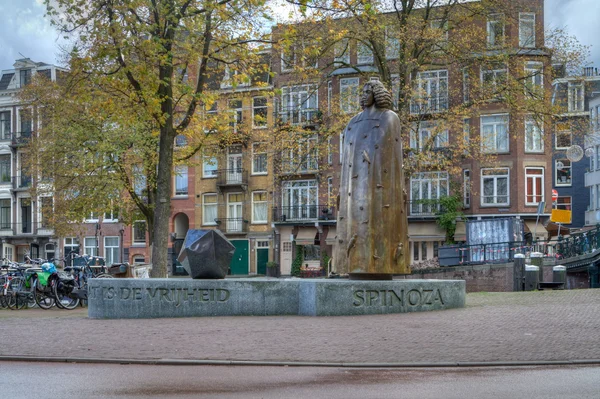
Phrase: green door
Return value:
(262, 257)
(239, 262)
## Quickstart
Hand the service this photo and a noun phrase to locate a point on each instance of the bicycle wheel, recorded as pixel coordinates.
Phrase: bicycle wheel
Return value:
(61, 296)
(16, 293)
(41, 299)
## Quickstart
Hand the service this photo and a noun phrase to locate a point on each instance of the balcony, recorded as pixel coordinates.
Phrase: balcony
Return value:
(232, 177)
(21, 138)
(424, 207)
(21, 182)
(303, 213)
(232, 225)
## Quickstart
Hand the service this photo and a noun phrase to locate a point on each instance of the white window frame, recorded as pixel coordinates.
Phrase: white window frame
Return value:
(210, 167)
(576, 97)
(492, 39)
(495, 149)
(114, 250)
(495, 73)
(92, 249)
(422, 136)
(301, 156)
(430, 92)
(299, 104)
(308, 195)
(392, 46)
(466, 85)
(567, 164)
(264, 203)
(179, 173)
(262, 125)
(534, 177)
(526, 18)
(534, 135)
(341, 51)
(364, 54)
(496, 194)
(534, 79)
(440, 24)
(9, 223)
(136, 241)
(330, 199)
(561, 133)
(427, 186)
(237, 113)
(349, 95)
(466, 188)
(209, 204)
(261, 153)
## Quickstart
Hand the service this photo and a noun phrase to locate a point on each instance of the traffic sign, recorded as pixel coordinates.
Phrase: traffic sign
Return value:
(554, 195)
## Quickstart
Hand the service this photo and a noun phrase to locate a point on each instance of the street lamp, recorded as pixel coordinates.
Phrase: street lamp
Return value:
(122, 231)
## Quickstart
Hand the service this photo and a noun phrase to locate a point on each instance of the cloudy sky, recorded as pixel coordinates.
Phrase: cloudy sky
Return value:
(25, 31)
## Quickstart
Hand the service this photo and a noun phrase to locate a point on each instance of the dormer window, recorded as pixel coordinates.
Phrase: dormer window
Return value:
(25, 77)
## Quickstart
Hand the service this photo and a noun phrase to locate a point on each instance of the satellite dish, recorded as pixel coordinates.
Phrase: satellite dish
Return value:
(589, 152)
(574, 153)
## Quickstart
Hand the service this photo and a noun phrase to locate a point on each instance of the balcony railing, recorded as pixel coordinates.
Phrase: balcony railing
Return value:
(232, 225)
(23, 181)
(21, 137)
(300, 165)
(299, 116)
(304, 213)
(40, 228)
(232, 177)
(424, 208)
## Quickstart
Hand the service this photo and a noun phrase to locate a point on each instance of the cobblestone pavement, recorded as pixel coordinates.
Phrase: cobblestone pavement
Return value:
(526, 326)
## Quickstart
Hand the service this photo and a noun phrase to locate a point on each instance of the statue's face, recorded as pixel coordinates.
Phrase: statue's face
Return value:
(367, 97)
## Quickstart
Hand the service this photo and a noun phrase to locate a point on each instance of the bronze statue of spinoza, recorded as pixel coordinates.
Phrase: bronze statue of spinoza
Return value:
(372, 227)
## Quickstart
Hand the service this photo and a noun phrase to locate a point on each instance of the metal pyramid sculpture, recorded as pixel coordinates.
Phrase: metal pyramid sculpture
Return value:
(206, 254)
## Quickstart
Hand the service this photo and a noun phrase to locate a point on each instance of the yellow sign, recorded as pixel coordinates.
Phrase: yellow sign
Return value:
(560, 216)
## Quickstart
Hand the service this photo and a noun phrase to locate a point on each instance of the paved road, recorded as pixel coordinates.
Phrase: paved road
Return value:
(75, 381)
(531, 326)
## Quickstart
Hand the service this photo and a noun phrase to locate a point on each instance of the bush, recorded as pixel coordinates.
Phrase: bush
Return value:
(297, 263)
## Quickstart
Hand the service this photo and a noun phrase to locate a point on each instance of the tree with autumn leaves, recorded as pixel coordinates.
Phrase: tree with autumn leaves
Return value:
(138, 79)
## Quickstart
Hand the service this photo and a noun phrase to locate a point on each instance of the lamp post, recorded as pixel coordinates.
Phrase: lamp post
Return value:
(122, 231)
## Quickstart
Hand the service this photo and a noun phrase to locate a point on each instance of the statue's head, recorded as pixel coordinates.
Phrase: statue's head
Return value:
(375, 92)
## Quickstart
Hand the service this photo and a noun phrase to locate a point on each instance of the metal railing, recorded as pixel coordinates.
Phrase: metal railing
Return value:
(303, 213)
(232, 225)
(424, 208)
(23, 181)
(232, 177)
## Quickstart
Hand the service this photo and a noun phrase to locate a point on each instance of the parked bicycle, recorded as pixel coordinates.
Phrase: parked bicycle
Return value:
(16, 282)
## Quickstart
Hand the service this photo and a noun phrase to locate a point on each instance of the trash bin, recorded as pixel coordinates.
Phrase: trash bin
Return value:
(559, 275)
(532, 274)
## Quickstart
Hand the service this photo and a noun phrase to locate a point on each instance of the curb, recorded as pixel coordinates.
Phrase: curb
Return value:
(206, 362)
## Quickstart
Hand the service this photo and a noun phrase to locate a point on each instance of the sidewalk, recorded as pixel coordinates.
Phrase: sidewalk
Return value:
(494, 327)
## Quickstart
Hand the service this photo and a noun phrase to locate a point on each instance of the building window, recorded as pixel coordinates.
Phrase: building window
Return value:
(575, 98)
(330, 199)
(466, 86)
(494, 133)
(111, 250)
(25, 75)
(364, 54)
(563, 137)
(426, 188)
(138, 231)
(298, 104)
(563, 172)
(209, 166)
(440, 29)
(46, 210)
(300, 156)
(392, 46)
(300, 200)
(563, 203)
(237, 114)
(5, 126)
(495, 30)
(71, 246)
(181, 180)
(342, 52)
(534, 135)
(5, 167)
(211, 118)
(329, 96)
(430, 92)
(259, 112)
(90, 246)
(329, 152)
(495, 187)
(139, 259)
(534, 79)
(429, 135)
(534, 186)
(349, 98)
(259, 158)
(180, 141)
(140, 183)
(209, 209)
(259, 207)
(494, 79)
(526, 29)
(25, 122)
(5, 214)
(467, 188)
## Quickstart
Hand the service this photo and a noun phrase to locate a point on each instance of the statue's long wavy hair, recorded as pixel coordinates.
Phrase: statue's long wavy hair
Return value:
(383, 98)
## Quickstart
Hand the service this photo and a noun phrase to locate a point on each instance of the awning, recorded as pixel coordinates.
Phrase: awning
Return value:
(330, 240)
(461, 232)
(306, 236)
(541, 231)
(425, 232)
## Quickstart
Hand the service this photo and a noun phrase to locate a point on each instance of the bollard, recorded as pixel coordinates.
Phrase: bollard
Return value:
(519, 272)
(532, 274)
(559, 275)
(537, 259)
